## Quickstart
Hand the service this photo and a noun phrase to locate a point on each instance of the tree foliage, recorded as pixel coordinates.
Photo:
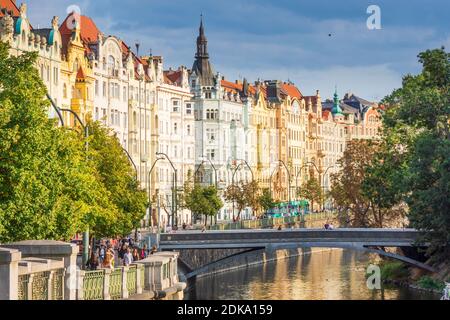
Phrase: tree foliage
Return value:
(312, 191)
(115, 172)
(202, 200)
(50, 188)
(361, 192)
(417, 131)
(243, 195)
(266, 201)
(47, 190)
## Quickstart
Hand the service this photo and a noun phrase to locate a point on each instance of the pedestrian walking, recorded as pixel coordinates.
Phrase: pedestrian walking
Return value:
(127, 258)
(135, 255)
(144, 252)
(108, 262)
(92, 263)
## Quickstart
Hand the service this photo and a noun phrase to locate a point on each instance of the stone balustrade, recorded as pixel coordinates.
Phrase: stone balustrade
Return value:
(108, 284)
(46, 270)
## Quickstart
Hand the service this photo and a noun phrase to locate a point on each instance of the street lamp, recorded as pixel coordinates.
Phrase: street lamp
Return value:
(174, 191)
(289, 182)
(243, 162)
(86, 136)
(323, 184)
(150, 192)
(58, 112)
(206, 159)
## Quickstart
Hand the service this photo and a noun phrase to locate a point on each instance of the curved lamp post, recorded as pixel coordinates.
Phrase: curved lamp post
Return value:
(150, 192)
(58, 112)
(86, 136)
(289, 181)
(174, 190)
(243, 162)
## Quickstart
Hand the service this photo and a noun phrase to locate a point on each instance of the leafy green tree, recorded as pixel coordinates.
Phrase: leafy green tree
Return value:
(243, 195)
(202, 200)
(266, 201)
(362, 190)
(417, 125)
(312, 191)
(117, 175)
(47, 189)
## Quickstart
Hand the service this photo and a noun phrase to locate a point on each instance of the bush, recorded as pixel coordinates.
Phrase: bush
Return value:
(394, 271)
(427, 282)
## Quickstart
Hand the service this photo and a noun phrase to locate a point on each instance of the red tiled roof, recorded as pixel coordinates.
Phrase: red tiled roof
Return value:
(172, 77)
(10, 6)
(80, 74)
(88, 29)
(326, 114)
(292, 90)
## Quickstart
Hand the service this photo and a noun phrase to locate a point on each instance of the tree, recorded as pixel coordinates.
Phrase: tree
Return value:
(202, 200)
(417, 125)
(312, 191)
(117, 175)
(361, 190)
(243, 195)
(266, 201)
(47, 189)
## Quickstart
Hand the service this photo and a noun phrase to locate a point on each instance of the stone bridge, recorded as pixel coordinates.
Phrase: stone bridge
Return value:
(201, 252)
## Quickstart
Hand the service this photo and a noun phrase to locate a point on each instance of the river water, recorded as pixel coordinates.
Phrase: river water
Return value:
(323, 274)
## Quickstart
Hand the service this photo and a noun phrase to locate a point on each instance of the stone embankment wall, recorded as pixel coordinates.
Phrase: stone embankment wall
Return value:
(235, 259)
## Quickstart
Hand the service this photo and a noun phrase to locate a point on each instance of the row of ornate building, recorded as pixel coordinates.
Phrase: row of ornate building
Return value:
(211, 129)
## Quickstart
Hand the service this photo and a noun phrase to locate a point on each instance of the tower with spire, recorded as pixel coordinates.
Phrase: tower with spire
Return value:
(337, 110)
(202, 67)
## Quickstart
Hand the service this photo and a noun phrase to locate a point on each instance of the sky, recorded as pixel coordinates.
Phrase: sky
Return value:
(318, 45)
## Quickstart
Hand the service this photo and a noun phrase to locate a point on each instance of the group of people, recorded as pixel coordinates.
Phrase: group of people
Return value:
(118, 252)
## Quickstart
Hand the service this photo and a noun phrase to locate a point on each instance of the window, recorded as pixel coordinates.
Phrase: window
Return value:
(176, 106)
(193, 83)
(55, 75)
(211, 135)
(208, 95)
(188, 108)
(96, 87)
(111, 65)
(104, 89)
(188, 130)
(211, 154)
(124, 95)
(175, 128)
(75, 66)
(65, 91)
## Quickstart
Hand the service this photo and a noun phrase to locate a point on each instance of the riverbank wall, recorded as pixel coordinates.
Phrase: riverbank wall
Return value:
(237, 260)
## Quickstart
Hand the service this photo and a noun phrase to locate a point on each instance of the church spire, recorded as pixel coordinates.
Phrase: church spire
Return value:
(202, 66)
(202, 41)
(337, 110)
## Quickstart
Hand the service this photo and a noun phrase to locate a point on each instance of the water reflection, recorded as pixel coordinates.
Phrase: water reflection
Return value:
(320, 274)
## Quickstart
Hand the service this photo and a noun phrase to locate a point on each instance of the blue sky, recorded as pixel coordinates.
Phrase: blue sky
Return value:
(283, 39)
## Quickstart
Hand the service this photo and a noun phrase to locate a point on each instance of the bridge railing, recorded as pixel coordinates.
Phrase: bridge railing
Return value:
(272, 222)
(107, 284)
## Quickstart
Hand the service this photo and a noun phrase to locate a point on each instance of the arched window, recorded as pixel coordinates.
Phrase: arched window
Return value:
(75, 65)
(111, 65)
